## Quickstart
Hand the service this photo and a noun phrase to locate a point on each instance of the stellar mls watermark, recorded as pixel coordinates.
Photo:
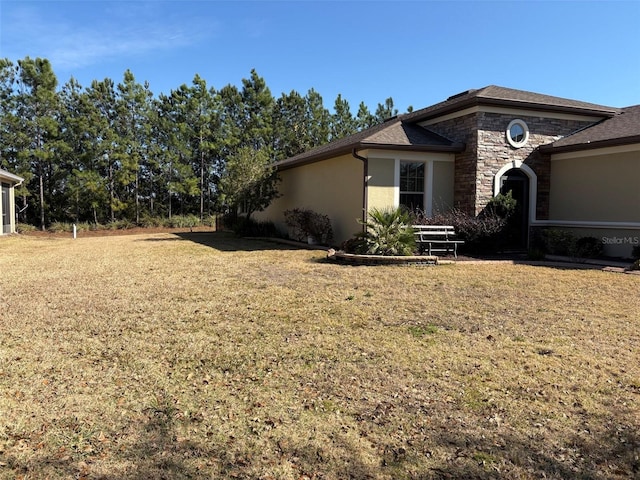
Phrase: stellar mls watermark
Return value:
(621, 240)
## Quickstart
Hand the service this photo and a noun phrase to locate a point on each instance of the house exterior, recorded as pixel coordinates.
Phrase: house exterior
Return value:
(570, 164)
(8, 182)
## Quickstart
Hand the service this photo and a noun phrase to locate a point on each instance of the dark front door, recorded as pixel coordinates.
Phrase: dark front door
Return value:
(517, 182)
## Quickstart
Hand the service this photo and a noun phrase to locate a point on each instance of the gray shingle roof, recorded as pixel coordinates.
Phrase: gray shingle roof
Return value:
(622, 129)
(393, 134)
(501, 96)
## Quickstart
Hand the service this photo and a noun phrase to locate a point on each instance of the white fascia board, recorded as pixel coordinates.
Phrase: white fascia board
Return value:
(411, 156)
(595, 152)
(10, 176)
(587, 224)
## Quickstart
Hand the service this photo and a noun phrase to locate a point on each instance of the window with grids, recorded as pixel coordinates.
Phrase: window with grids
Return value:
(412, 185)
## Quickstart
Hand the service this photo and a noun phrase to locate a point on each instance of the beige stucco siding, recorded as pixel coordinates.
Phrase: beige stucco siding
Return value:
(602, 188)
(442, 186)
(381, 188)
(597, 193)
(332, 187)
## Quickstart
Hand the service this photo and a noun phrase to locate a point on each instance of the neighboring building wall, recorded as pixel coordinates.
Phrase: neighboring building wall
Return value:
(596, 193)
(332, 187)
(7, 208)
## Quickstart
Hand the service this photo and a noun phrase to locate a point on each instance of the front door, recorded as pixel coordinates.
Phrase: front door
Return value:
(517, 182)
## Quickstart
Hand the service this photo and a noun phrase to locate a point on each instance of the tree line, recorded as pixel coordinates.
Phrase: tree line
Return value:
(111, 152)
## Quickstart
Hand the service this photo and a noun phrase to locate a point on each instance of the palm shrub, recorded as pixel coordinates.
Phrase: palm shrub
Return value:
(388, 231)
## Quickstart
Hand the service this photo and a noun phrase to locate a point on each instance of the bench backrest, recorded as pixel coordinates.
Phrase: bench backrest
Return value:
(445, 231)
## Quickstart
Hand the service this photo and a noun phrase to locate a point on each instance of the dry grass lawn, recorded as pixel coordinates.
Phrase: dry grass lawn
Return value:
(167, 356)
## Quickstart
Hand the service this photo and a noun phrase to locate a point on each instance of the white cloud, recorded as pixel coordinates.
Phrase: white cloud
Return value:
(75, 37)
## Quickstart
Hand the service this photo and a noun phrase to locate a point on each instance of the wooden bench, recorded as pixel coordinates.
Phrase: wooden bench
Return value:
(436, 238)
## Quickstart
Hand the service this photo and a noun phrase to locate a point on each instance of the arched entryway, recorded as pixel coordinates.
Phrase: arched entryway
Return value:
(516, 182)
(521, 180)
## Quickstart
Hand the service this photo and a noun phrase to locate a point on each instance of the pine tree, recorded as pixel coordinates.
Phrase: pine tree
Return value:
(132, 127)
(342, 122)
(37, 107)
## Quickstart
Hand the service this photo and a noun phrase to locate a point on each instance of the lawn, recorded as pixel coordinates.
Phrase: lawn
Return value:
(197, 355)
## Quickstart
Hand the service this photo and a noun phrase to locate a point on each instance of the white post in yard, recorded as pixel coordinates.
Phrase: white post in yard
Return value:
(74, 231)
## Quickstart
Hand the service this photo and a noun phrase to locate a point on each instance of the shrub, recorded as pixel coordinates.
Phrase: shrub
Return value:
(635, 265)
(535, 254)
(635, 252)
(587, 247)
(210, 220)
(357, 245)
(147, 221)
(558, 242)
(248, 227)
(388, 232)
(306, 223)
(561, 242)
(183, 221)
(83, 226)
(481, 234)
(503, 206)
(25, 228)
(60, 227)
(123, 224)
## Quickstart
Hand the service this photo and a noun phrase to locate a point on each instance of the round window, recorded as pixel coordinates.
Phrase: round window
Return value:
(517, 133)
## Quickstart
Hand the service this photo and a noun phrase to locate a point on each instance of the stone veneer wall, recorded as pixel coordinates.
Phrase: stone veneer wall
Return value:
(487, 151)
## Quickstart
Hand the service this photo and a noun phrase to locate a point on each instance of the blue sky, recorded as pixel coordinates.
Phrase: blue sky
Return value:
(417, 52)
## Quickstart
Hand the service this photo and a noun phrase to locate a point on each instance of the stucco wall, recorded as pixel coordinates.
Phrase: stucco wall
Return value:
(381, 191)
(332, 187)
(603, 188)
(443, 186)
(596, 193)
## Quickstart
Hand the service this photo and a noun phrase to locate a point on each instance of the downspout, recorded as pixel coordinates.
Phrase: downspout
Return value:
(365, 184)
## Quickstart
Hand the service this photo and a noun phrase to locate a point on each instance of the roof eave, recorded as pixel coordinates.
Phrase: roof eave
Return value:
(611, 142)
(10, 176)
(521, 105)
(287, 164)
(454, 148)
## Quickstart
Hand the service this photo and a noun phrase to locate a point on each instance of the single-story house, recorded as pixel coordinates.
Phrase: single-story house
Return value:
(8, 182)
(570, 164)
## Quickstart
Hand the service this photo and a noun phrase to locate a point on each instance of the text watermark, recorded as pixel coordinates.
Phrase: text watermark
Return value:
(621, 240)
